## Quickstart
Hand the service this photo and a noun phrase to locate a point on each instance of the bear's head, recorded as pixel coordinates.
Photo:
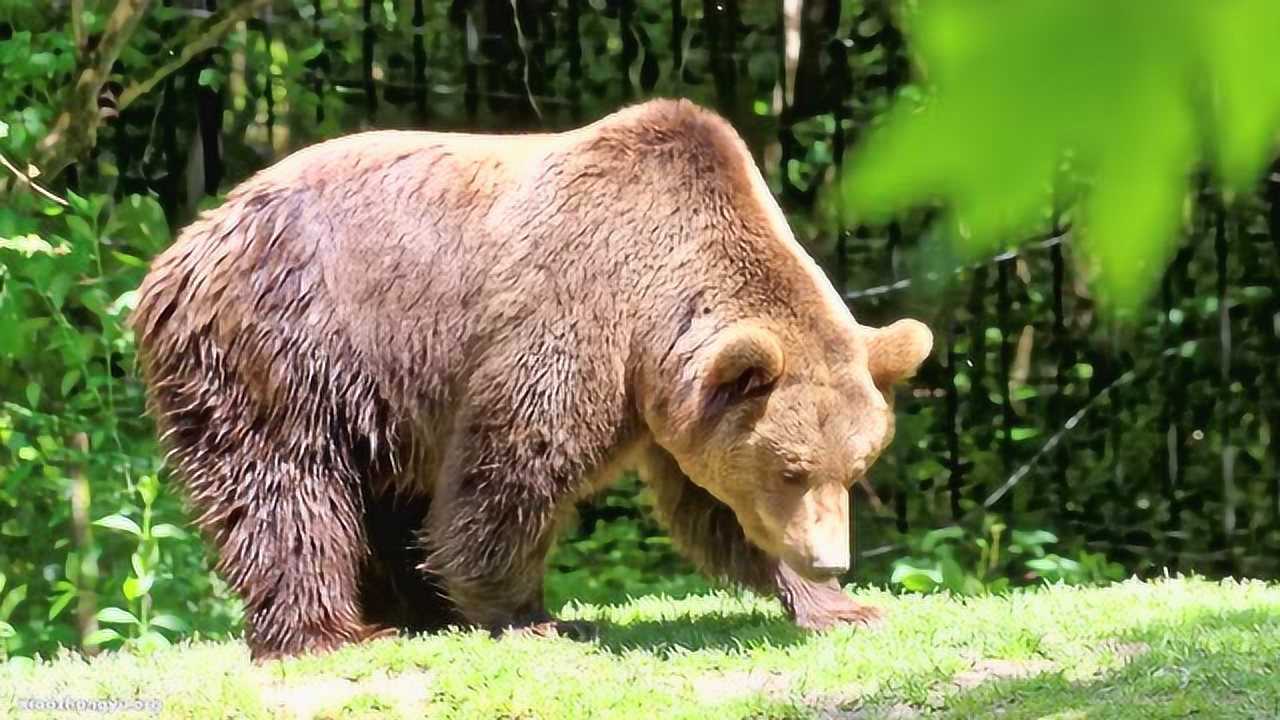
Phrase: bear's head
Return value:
(779, 430)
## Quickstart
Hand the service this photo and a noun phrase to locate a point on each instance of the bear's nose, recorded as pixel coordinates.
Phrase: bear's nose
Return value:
(830, 561)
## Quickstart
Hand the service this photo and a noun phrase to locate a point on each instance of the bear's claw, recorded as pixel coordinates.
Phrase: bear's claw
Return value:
(377, 632)
(579, 630)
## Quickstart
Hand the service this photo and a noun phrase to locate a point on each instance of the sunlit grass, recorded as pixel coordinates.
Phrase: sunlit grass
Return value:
(1165, 649)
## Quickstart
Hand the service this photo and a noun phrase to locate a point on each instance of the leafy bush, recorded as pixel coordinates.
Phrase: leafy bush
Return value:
(963, 562)
(617, 553)
(76, 450)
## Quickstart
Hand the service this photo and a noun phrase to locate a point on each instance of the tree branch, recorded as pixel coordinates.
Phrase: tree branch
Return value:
(76, 128)
(82, 537)
(25, 180)
(204, 36)
(77, 25)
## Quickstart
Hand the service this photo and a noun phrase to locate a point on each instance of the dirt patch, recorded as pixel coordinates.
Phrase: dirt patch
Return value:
(304, 699)
(900, 711)
(1126, 651)
(989, 670)
(726, 686)
(730, 685)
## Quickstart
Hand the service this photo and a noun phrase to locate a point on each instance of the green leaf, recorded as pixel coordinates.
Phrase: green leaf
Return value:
(12, 600)
(121, 523)
(170, 622)
(69, 380)
(80, 230)
(126, 259)
(59, 603)
(311, 51)
(1158, 95)
(6, 630)
(1019, 434)
(953, 577)
(152, 641)
(1032, 538)
(166, 530)
(117, 616)
(148, 488)
(135, 587)
(102, 635)
(29, 245)
(210, 78)
(80, 204)
(915, 579)
(933, 538)
(970, 585)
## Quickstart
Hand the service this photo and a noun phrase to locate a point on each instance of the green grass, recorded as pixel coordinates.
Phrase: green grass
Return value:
(1171, 648)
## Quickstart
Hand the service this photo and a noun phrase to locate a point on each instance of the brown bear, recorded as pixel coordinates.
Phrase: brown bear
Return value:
(389, 365)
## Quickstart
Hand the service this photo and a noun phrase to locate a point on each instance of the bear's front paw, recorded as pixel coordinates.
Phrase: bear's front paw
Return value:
(834, 611)
(817, 605)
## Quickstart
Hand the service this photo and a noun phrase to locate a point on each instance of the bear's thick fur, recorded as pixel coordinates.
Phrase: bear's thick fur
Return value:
(389, 365)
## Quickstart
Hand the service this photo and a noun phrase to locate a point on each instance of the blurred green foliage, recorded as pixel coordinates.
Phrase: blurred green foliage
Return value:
(1091, 112)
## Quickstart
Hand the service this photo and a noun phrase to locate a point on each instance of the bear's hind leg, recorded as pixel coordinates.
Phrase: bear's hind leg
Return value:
(282, 506)
(291, 543)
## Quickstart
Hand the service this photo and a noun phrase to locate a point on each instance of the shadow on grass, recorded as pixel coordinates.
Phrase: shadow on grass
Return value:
(727, 632)
(1219, 665)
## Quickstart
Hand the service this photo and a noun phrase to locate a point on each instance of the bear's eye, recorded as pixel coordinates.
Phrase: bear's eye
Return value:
(750, 383)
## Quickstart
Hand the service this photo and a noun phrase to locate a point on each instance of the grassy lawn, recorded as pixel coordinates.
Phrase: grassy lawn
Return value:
(1172, 648)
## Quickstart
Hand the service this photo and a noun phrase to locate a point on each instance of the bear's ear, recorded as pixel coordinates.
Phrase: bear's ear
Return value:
(745, 360)
(896, 351)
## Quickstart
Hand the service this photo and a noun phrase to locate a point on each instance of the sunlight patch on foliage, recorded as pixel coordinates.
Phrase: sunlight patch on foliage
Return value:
(1104, 105)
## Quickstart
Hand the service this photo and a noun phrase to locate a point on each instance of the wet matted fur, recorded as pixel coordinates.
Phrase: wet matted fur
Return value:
(387, 366)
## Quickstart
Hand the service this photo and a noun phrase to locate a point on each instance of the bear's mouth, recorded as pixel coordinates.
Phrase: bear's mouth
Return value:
(814, 569)
(822, 575)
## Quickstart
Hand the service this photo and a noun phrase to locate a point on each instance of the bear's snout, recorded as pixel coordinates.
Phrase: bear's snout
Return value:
(818, 532)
